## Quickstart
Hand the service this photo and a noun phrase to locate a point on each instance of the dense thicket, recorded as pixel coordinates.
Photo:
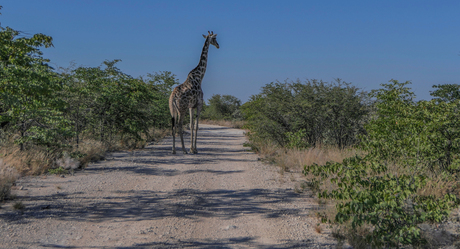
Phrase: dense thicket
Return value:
(107, 104)
(29, 104)
(299, 114)
(409, 174)
(56, 110)
(222, 107)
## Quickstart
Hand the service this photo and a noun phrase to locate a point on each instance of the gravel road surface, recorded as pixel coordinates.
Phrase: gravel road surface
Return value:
(223, 197)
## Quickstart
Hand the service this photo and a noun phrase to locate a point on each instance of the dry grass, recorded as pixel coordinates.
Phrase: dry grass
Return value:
(438, 186)
(355, 237)
(318, 228)
(18, 206)
(225, 123)
(92, 150)
(37, 160)
(6, 183)
(7, 178)
(159, 134)
(33, 161)
(295, 160)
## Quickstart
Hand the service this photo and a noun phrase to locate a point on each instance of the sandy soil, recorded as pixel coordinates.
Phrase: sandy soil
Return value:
(222, 197)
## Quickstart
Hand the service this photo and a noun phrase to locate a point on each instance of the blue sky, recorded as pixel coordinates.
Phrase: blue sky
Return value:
(363, 42)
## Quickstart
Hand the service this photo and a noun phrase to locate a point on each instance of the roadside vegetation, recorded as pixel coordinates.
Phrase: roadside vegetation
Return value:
(63, 118)
(384, 163)
(223, 110)
(384, 167)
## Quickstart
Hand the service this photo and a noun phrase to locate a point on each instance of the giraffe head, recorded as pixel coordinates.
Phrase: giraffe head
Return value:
(212, 39)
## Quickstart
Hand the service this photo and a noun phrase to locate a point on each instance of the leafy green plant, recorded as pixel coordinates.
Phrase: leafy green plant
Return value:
(296, 140)
(222, 107)
(57, 171)
(57, 111)
(328, 113)
(369, 194)
(29, 105)
(446, 92)
(409, 149)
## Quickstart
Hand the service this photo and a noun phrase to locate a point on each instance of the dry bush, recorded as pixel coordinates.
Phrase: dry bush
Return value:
(18, 206)
(355, 237)
(127, 143)
(159, 134)
(6, 182)
(91, 150)
(7, 178)
(318, 228)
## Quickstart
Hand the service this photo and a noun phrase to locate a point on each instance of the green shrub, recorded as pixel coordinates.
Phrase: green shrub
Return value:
(222, 107)
(296, 140)
(54, 111)
(328, 113)
(408, 175)
(57, 171)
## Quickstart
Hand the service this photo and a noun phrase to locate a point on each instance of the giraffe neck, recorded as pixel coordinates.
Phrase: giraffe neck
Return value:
(200, 70)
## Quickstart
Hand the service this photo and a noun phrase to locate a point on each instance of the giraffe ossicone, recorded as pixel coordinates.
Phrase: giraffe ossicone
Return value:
(189, 95)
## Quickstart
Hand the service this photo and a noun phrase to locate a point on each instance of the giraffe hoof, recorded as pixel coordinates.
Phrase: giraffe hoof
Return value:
(193, 151)
(173, 152)
(185, 152)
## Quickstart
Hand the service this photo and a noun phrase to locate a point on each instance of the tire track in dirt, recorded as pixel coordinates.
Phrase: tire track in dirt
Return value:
(222, 197)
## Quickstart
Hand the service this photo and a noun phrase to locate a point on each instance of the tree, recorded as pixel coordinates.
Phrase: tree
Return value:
(319, 112)
(106, 103)
(28, 85)
(161, 85)
(446, 92)
(222, 107)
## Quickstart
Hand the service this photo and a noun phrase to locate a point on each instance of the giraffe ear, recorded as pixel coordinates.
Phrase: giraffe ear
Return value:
(204, 36)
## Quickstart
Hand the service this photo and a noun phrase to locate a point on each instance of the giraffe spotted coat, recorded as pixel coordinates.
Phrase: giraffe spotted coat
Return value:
(189, 95)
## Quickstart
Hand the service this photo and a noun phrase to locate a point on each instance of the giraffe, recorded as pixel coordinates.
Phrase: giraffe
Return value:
(189, 95)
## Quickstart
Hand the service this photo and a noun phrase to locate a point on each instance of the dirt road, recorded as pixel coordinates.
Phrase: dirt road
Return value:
(222, 197)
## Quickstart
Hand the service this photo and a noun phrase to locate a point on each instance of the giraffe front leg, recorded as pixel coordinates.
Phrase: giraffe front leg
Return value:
(192, 133)
(198, 110)
(181, 124)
